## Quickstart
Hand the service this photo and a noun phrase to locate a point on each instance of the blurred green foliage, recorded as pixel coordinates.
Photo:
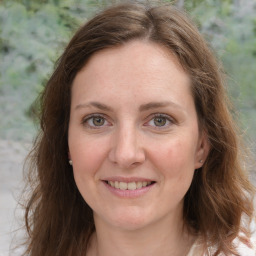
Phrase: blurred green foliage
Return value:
(32, 36)
(230, 28)
(33, 33)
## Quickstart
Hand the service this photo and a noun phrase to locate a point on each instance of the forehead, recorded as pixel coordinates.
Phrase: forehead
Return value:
(146, 53)
(138, 69)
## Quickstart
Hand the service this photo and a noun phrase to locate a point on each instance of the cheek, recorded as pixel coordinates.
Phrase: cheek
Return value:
(175, 158)
(87, 155)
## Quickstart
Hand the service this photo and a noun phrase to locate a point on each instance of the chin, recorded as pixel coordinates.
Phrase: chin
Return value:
(130, 219)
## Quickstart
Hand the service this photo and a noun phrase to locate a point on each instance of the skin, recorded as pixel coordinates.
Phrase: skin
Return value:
(129, 137)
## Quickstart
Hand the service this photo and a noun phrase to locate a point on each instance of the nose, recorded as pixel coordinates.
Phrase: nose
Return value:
(127, 150)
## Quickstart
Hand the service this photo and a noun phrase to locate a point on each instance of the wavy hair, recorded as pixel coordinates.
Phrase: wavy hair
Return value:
(58, 220)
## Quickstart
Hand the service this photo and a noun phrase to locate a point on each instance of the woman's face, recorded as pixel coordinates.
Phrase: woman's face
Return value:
(133, 135)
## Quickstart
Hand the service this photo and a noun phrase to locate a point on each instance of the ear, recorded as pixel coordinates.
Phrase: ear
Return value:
(203, 148)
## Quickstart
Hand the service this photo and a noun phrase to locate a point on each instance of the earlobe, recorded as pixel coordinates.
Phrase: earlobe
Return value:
(202, 151)
(69, 159)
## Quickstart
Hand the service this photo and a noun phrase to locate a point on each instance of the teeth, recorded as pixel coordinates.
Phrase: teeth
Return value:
(130, 185)
(122, 185)
(116, 184)
(139, 184)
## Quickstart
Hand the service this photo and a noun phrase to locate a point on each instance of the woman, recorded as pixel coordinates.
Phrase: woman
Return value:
(138, 154)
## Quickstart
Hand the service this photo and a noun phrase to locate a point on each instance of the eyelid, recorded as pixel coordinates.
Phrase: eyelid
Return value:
(88, 117)
(149, 118)
(168, 117)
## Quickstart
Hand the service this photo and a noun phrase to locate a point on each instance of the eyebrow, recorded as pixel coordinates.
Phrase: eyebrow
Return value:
(153, 105)
(142, 108)
(96, 105)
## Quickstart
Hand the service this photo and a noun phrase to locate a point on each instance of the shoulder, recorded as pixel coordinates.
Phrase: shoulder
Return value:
(248, 248)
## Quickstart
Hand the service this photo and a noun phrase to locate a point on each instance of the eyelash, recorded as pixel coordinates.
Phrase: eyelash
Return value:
(90, 117)
(160, 115)
(152, 117)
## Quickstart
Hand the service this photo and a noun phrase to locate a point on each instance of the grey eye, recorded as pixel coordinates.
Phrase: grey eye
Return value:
(98, 121)
(159, 121)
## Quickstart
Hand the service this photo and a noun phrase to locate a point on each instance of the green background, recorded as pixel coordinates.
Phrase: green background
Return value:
(34, 33)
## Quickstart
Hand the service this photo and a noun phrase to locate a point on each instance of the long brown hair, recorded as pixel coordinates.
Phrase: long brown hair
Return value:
(58, 220)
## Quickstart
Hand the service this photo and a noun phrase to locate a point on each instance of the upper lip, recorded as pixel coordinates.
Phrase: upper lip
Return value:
(127, 179)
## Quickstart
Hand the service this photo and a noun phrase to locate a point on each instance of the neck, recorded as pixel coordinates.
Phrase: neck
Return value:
(153, 240)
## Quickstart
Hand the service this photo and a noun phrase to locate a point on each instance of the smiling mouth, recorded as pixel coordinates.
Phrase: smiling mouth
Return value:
(129, 185)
